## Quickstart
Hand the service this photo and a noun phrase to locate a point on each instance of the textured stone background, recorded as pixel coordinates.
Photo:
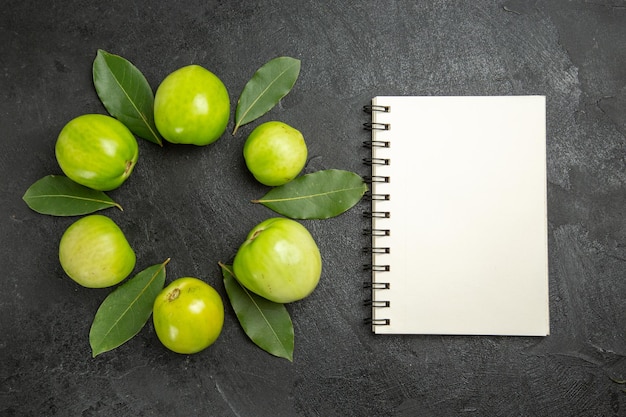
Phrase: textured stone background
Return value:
(192, 204)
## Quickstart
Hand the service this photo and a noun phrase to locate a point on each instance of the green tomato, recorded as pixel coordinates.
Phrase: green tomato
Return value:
(95, 253)
(188, 315)
(279, 261)
(97, 151)
(191, 106)
(275, 153)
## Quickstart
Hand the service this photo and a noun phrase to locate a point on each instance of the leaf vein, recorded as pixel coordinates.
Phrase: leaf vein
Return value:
(316, 195)
(71, 197)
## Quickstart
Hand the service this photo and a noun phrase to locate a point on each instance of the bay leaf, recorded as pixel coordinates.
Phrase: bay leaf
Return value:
(58, 195)
(126, 94)
(319, 195)
(267, 86)
(265, 322)
(125, 311)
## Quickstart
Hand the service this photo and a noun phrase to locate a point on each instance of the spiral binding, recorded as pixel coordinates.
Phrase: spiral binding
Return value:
(374, 107)
(379, 197)
(376, 144)
(377, 322)
(376, 161)
(376, 268)
(381, 250)
(376, 126)
(375, 178)
(374, 232)
(376, 285)
(376, 304)
(377, 232)
(377, 214)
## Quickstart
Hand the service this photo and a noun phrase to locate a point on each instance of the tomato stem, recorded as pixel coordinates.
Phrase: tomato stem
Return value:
(129, 165)
(173, 295)
(255, 234)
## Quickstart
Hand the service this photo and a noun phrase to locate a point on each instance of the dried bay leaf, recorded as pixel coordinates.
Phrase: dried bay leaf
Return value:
(265, 322)
(319, 195)
(267, 86)
(126, 310)
(58, 195)
(126, 94)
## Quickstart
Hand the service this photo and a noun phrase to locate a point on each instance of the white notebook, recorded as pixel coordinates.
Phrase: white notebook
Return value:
(459, 215)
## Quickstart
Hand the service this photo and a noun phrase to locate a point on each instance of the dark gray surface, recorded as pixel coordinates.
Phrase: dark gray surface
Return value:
(192, 204)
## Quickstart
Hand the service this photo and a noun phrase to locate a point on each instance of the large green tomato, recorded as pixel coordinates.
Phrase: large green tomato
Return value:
(188, 315)
(279, 261)
(275, 153)
(97, 151)
(95, 253)
(191, 106)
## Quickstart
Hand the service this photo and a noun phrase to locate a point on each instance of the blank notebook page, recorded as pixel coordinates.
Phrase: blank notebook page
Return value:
(467, 216)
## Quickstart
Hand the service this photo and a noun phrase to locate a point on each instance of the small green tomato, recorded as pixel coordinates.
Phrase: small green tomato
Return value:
(275, 153)
(279, 261)
(95, 253)
(96, 151)
(188, 315)
(191, 106)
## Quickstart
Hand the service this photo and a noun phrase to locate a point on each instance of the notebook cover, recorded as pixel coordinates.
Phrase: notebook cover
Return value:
(467, 216)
